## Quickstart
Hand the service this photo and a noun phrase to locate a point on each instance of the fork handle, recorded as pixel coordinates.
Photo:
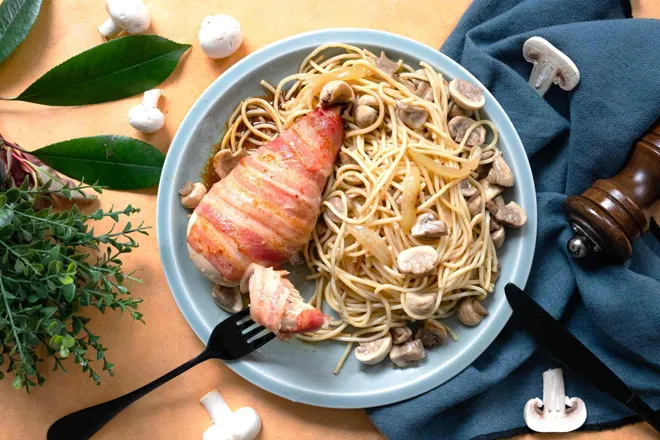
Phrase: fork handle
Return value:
(83, 424)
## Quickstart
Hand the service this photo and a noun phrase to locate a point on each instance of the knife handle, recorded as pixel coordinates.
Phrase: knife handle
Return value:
(614, 212)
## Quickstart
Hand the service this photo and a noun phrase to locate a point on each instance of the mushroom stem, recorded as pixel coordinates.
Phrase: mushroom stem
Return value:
(151, 97)
(554, 396)
(216, 406)
(109, 29)
(543, 74)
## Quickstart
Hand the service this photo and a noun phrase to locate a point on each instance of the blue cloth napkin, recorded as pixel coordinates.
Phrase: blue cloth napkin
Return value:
(571, 139)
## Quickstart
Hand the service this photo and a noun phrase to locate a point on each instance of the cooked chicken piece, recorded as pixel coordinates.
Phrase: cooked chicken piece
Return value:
(277, 305)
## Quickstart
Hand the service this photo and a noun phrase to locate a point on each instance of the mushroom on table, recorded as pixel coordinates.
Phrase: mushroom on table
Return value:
(551, 66)
(129, 15)
(220, 35)
(145, 116)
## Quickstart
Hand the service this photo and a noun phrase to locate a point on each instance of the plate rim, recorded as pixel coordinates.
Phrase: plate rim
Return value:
(165, 234)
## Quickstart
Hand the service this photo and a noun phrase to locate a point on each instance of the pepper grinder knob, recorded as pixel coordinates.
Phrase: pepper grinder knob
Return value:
(608, 217)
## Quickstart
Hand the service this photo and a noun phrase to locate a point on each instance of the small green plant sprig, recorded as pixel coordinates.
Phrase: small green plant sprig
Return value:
(53, 265)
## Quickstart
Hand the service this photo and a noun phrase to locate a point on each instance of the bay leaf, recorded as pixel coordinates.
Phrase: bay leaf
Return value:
(16, 19)
(110, 71)
(117, 162)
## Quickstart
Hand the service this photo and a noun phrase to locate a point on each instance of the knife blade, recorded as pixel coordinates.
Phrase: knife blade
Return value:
(552, 336)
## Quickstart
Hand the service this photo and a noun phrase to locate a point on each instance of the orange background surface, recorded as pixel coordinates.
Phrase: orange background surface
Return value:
(144, 352)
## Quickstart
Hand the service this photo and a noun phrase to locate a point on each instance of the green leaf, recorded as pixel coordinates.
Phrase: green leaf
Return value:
(117, 162)
(16, 20)
(114, 70)
(68, 341)
(17, 383)
(69, 291)
(47, 312)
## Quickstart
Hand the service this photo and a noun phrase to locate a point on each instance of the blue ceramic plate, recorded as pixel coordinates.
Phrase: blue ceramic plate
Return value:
(295, 370)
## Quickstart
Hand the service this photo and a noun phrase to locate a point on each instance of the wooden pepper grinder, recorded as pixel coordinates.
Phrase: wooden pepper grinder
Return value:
(614, 212)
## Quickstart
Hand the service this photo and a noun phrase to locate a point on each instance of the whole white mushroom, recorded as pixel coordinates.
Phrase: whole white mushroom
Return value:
(220, 35)
(145, 116)
(130, 15)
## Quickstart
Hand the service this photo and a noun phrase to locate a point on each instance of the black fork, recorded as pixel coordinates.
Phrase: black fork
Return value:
(232, 339)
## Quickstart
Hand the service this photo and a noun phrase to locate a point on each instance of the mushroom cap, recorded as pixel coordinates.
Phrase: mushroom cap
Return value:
(500, 173)
(433, 333)
(224, 161)
(428, 227)
(130, 15)
(511, 215)
(490, 190)
(457, 110)
(418, 260)
(420, 303)
(538, 49)
(371, 353)
(470, 311)
(400, 334)
(228, 298)
(467, 189)
(413, 117)
(365, 115)
(146, 119)
(367, 100)
(406, 354)
(191, 194)
(466, 95)
(386, 65)
(537, 420)
(220, 35)
(459, 125)
(336, 92)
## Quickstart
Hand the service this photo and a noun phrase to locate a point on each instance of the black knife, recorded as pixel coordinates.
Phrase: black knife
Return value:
(552, 336)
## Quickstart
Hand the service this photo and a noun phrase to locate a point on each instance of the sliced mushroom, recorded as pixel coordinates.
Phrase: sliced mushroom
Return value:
(418, 261)
(413, 117)
(459, 125)
(494, 205)
(483, 169)
(339, 207)
(494, 224)
(224, 161)
(401, 334)
(500, 173)
(386, 65)
(466, 94)
(428, 227)
(408, 353)
(335, 93)
(491, 191)
(415, 81)
(456, 110)
(551, 66)
(467, 189)
(470, 311)
(511, 215)
(433, 333)
(420, 303)
(498, 238)
(371, 353)
(228, 298)
(424, 91)
(191, 194)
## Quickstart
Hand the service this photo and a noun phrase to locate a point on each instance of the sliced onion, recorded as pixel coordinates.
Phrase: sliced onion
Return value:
(441, 170)
(372, 242)
(411, 187)
(345, 74)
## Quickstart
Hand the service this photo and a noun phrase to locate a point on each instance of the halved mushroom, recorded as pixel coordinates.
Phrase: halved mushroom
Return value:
(551, 66)
(494, 205)
(466, 94)
(408, 353)
(459, 125)
(500, 173)
(467, 189)
(366, 111)
(470, 311)
(433, 333)
(335, 93)
(371, 353)
(339, 207)
(227, 298)
(483, 169)
(418, 261)
(511, 215)
(428, 227)
(498, 238)
(490, 190)
(224, 161)
(413, 117)
(192, 193)
(456, 110)
(420, 303)
(386, 65)
(401, 334)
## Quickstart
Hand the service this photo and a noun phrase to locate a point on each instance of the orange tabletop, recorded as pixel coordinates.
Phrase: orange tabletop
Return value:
(143, 352)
